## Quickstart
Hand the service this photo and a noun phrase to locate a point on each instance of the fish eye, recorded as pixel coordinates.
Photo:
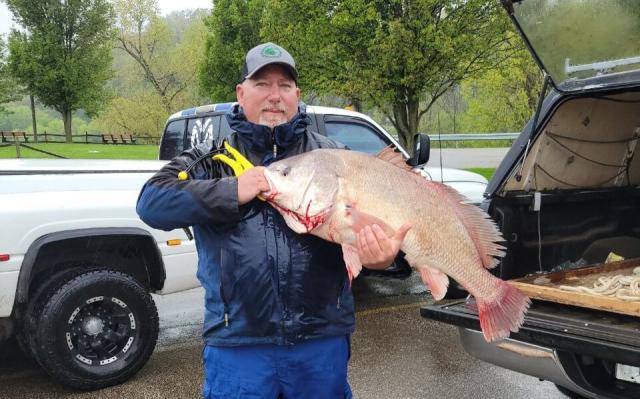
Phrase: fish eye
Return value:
(285, 171)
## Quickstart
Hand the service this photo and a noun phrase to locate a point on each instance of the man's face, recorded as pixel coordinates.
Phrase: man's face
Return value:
(270, 97)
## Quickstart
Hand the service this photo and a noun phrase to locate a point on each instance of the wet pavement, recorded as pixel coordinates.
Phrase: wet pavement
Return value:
(395, 354)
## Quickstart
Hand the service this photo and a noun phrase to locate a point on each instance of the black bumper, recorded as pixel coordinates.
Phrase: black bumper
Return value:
(586, 345)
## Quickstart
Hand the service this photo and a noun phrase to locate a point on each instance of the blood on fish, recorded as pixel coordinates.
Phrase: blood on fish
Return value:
(310, 222)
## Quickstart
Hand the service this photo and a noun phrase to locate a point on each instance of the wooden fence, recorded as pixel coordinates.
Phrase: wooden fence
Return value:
(86, 138)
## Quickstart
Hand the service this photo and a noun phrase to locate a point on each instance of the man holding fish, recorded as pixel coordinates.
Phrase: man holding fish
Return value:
(278, 305)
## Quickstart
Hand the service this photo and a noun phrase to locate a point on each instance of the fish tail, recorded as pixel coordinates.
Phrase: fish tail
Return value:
(503, 313)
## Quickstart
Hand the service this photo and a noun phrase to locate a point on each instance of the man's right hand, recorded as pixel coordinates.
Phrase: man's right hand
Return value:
(250, 184)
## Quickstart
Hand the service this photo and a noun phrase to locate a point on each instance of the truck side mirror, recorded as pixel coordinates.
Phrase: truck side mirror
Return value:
(421, 150)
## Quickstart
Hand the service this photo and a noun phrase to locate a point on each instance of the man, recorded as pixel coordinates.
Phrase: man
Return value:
(278, 305)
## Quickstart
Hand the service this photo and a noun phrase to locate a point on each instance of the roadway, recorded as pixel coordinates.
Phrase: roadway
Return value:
(395, 354)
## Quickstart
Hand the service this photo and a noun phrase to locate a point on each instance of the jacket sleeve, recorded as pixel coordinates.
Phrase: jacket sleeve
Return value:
(167, 203)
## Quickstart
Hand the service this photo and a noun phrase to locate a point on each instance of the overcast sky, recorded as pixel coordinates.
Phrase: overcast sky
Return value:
(166, 6)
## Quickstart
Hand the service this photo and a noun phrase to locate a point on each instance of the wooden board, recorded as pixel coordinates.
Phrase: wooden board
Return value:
(546, 287)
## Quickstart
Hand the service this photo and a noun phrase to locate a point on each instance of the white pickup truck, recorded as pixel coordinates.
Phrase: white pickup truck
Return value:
(77, 265)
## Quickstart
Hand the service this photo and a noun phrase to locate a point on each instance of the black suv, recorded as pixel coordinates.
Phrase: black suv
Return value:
(566, 197)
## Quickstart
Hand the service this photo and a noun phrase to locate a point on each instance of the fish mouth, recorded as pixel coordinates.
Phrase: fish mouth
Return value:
(271, 194)
(309, 222)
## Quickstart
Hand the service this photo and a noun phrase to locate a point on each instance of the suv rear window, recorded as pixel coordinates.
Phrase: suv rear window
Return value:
(200, 130)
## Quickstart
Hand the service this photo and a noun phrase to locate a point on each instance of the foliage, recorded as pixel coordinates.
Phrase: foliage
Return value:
(156, 63)
(19, 119)
(63, 57)
(399, 55)
(141, 113)
(233, 29)
(9, 89)
(145, 37)
(505, 98)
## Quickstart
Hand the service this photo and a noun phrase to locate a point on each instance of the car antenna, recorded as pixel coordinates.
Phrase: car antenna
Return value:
(440, 148)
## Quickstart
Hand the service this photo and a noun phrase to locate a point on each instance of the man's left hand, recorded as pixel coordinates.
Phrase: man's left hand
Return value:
(375, 249)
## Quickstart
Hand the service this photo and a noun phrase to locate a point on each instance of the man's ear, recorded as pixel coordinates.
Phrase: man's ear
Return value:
(239, 93)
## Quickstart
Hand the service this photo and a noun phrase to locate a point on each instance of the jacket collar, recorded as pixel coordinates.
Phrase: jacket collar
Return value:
(261, 138)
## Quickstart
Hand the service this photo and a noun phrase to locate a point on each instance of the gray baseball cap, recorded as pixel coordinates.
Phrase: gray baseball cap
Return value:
(267, 54)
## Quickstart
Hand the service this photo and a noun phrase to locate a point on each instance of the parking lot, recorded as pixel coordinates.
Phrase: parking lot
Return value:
(395, 354)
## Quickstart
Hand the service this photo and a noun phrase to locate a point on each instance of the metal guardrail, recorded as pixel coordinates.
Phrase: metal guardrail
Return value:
(473, 136)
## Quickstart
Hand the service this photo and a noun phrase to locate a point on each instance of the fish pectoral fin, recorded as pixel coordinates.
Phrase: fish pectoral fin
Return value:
(352, 261)
(435, 280)
(362, 219)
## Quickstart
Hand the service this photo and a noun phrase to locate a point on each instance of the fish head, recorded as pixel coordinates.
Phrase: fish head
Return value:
(303, 190)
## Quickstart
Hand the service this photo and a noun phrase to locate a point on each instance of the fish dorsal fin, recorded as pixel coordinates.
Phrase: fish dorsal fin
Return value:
(389, 154)
(481, 228)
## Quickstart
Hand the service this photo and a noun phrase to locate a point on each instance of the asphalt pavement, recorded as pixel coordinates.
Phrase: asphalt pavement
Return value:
(395, 354)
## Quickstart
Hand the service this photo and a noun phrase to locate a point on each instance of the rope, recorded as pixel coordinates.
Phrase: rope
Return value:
(42, 151)
(620, 286)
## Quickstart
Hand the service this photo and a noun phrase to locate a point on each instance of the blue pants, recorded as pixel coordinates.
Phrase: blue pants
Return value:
(310, 370)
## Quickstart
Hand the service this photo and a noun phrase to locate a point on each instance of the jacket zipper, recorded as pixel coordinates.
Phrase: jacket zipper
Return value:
(344, 282)
(275, 146)
(224, 301)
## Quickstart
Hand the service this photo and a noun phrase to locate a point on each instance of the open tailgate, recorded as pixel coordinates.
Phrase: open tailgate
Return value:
(566, 328)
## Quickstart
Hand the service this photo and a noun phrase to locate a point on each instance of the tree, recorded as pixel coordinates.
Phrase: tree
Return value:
(9, 89)
(398, 55)
(503, 99)
(233, 29)
(64, 53)
(145, 36)
(140, 107)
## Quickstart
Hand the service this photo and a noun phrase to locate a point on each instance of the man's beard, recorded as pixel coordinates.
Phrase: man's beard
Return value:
(272, 121)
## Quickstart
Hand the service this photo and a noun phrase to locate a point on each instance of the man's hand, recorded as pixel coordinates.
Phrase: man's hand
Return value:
(375, 249)
(250, 184)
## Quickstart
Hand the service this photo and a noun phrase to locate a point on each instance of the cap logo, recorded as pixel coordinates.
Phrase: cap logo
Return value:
(271, 52)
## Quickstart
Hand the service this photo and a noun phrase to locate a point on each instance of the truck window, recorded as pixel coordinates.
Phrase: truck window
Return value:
(201, 130)
(357, 136)
(225, 129)
(172, 140)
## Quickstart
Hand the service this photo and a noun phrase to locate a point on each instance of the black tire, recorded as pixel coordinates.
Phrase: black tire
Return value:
(27, 326)
(97, 330)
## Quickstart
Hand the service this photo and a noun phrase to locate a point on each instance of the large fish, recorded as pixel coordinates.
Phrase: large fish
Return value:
(334, 193)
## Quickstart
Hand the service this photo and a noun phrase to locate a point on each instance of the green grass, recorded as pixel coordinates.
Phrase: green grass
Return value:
(486, 172)
(472, 144)
(84, 151)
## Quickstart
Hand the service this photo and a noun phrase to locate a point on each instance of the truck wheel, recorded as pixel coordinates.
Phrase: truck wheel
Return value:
(96, 330)
(27, 326)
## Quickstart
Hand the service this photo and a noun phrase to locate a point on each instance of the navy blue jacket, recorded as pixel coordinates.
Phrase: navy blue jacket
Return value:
(263, 282)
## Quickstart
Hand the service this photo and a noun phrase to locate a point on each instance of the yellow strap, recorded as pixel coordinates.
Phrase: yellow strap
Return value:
(237, 167)
(238, 156)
